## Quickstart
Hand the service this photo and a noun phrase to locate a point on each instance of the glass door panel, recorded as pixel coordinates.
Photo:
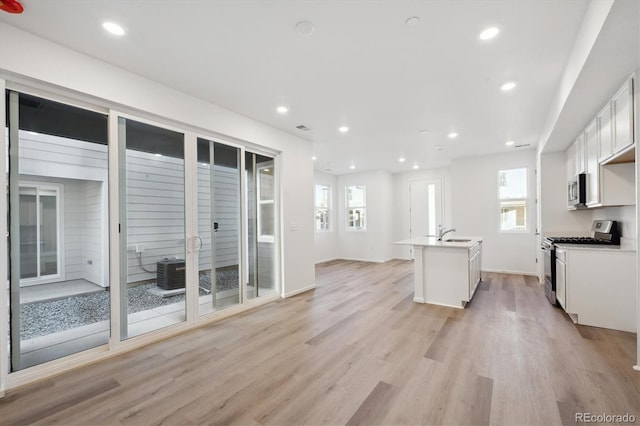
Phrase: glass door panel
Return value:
(426, 209)
(152, 213)
(261, 217)
(48, 234)
(39, 224)
(219, 219)
(58, 230)
(28, 233)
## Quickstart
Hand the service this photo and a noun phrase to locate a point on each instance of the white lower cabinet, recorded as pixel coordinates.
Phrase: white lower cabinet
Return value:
(561, 277)
(600, 287)
(475, 260)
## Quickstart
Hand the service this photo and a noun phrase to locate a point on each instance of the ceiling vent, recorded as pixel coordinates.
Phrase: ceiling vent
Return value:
(303, 128)
(524, 145)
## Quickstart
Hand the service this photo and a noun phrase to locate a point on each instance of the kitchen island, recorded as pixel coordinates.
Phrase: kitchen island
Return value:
(445, 272)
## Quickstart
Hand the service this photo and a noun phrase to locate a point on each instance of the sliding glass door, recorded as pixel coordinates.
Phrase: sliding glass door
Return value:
(39, 230)
(58, 229)
(261, 225)
(194, 228)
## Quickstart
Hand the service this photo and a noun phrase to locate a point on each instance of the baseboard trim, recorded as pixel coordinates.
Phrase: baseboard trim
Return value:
(365, 260)
(506, 271)
(327, 260)
(418, 300)
(299, 291)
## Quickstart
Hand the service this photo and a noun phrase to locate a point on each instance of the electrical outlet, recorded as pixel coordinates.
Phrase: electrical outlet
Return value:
(89, 262)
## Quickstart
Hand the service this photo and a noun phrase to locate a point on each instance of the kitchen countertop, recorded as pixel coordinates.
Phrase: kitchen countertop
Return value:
(625, 245)
(433, 241)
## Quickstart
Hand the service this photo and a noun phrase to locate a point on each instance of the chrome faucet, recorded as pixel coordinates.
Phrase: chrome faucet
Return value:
(444, 232)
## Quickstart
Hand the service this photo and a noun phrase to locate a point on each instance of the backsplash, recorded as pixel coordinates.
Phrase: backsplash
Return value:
(624, 215)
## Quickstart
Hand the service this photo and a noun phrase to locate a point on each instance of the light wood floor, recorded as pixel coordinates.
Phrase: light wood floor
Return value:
(357, 350)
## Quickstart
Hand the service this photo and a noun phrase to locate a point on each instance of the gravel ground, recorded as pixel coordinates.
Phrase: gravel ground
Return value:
(46, 317)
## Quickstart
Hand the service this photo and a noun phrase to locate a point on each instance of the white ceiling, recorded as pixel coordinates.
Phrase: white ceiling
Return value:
(362, 66)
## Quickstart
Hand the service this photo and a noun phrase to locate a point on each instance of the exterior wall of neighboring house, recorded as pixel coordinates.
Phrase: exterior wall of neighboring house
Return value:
(155, 207)
(80, 169)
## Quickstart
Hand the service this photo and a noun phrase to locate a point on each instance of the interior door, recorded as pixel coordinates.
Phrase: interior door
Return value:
(425, 207)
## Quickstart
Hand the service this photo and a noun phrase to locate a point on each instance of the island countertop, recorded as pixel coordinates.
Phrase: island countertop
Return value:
(433, 241)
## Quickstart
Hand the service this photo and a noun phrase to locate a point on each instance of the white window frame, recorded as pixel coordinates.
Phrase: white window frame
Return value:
(363, 208)
(329, 227)
(59, 190)
(265, 238)
(524, 200)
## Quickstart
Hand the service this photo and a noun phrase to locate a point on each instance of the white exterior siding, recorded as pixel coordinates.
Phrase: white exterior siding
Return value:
(155, 207)
(226, 213)
(94, 232)
(155, 213)
(81, 170)
(73, 230)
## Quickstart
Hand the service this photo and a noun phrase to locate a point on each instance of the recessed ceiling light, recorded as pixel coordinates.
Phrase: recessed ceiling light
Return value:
(402, 159)
(489, 33)
(412, 21)
(438, 147)
(509, 85)
(282, 109)
(343, 129)
(314, 158)
(424, 131)
(509, 143)
(416, 167)
(305, 28)
(452, 135)
(352, 167)
(113, 28)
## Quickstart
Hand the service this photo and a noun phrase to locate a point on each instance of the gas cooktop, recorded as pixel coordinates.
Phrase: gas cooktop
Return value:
(579, 240)
(602, 232)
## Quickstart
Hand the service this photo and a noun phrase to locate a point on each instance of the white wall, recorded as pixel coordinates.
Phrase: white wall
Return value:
(555, 218)
(474, 188)
(113, 87)
(326, 242)
(374, 244)
(401, 203)
(625, 215)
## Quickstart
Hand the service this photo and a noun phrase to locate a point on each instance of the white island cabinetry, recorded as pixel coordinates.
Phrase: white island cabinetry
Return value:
(446, 272)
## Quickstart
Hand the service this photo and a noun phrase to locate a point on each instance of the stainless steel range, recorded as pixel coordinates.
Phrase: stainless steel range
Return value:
(602, 232)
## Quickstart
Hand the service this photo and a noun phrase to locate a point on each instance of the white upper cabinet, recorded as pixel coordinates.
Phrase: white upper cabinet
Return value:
(622, 105)
(571, 162)
(591, 143)
(580, 155)
(606, 132)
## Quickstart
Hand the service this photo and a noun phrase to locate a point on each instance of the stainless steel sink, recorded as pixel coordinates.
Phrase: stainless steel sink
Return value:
(456, 240)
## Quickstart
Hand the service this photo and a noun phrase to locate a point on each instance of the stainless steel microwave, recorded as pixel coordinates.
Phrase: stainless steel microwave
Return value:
(577, 190)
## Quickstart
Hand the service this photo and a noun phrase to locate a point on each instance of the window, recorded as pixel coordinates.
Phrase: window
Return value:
(512, 199)
(39, 231)
(266, 203)
(356, 208)
(323, 195)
